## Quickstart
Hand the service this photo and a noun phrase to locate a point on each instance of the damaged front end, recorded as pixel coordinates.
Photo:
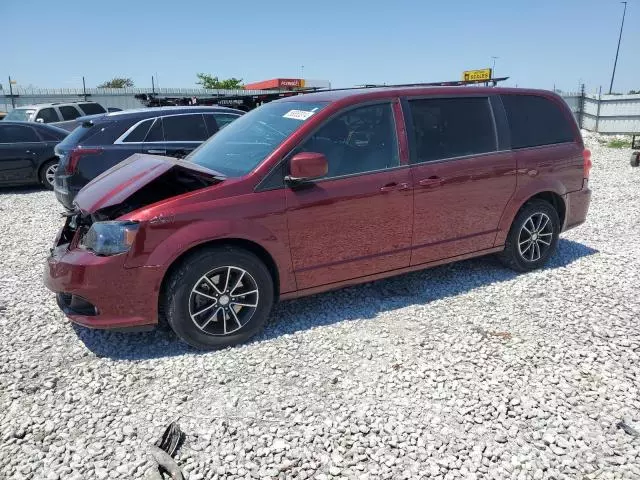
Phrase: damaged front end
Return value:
(138, 182)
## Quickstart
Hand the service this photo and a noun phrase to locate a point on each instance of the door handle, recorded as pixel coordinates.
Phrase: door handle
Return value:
(156, 151)
(394, 186)
(389, 187)
(432, 181)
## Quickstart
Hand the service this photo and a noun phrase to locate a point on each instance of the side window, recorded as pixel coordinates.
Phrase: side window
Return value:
(17, 134)
(212, 125)
(155, 134)
(183, 128)
(535, 121)
(139, 133)
(50, 136)
(92, 108)
(69, 113)
(47, 115)
(360, 140)
(451, 127)
(224, 119)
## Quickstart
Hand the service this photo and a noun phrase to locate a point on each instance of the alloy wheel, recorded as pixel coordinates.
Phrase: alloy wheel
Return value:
(50, 173)
(223, 300)
(535, 237)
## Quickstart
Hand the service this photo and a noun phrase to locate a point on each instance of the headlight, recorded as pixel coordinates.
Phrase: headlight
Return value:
(110, 238)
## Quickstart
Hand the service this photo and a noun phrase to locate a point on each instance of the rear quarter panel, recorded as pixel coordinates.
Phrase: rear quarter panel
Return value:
(551, 168)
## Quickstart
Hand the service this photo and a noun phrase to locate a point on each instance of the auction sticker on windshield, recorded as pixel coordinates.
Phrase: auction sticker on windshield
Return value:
(298, 114)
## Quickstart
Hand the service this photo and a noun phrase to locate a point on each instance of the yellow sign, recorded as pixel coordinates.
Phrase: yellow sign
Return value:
(484, 74)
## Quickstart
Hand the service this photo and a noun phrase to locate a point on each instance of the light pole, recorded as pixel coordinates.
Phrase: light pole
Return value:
(493, 67)
(301, 71)
(615, 62)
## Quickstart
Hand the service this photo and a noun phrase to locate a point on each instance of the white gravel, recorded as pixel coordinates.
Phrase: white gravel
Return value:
(463, 371)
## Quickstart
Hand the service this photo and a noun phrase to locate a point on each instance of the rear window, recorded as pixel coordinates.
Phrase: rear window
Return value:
(99, 133)
(52, 134)
(536, 121)
(91, 108)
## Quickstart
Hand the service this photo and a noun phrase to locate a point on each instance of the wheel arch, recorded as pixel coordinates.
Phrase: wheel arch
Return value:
(248, 245)
(549, 195)
(44, 163)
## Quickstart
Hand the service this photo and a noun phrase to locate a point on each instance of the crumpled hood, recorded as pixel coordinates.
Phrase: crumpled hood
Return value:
(120, 182)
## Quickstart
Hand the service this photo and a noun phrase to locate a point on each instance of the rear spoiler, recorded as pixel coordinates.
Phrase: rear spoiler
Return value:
(87, 120)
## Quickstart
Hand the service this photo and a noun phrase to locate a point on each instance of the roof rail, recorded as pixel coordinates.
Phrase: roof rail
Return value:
(454, 83)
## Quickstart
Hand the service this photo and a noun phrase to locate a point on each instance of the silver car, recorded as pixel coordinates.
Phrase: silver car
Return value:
(59, 114)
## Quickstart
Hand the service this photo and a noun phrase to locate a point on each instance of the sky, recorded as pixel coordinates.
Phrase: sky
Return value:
(539, 43)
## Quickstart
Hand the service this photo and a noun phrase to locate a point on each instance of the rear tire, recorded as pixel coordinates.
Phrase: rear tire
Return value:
(47, 174)
(533, 237)
(218, 297)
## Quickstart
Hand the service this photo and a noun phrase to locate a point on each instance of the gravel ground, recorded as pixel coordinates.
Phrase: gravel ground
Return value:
(462, 371)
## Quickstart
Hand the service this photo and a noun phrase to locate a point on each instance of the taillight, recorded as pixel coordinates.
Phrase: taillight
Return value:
(586, 154)
(76, 154)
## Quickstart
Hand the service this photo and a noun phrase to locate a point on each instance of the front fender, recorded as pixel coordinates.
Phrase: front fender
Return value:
(194, 234)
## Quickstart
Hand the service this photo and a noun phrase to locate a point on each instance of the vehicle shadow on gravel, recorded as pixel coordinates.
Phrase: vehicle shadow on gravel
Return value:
(24, 189)
(359, 302)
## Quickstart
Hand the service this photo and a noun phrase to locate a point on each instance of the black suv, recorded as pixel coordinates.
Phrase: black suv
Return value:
(102, 141)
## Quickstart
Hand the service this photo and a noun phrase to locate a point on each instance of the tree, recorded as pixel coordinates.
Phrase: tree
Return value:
(634, 92)
(209, 81)
(117, 82)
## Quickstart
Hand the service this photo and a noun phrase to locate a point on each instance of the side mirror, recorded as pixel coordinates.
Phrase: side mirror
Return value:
(307, 166)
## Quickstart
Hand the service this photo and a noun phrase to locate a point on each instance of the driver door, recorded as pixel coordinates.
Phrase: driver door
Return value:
(357, 220)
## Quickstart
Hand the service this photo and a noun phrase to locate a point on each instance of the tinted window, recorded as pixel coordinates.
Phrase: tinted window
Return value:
(451, 127)
(17, 134)
(47, 115)
(139, 133)
(100, 133)
(212, 125)
(536, 121)
(51, 135)
(155, 134)
(69, 113)
(360, 140)
(182, 128)
(92, 108)
(242, 145)
(224, 119)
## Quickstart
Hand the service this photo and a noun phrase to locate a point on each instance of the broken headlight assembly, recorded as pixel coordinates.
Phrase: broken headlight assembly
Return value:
(109, 238)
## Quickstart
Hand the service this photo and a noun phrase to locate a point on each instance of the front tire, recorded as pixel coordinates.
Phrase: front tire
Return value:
(218, 297)
(47, 174)
(533, 237)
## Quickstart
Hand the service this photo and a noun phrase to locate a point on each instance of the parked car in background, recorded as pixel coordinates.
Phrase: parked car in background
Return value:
(26, 153)
(317, 192)
(62, 115)
(102, 141)
(114, 109)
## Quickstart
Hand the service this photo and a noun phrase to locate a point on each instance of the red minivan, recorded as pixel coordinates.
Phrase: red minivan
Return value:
(315, 192)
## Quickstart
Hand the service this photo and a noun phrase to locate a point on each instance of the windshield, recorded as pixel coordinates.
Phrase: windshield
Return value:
(20, 115)
(240, 147)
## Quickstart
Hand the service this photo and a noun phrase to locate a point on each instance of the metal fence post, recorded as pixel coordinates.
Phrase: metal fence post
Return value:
(598, 110)
(581, 107)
